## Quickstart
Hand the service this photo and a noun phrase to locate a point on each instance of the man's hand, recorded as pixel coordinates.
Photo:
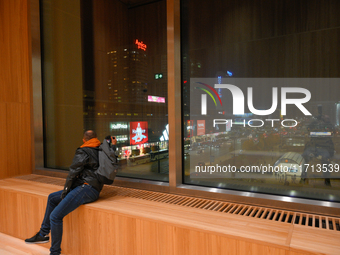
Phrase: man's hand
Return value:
(113, 140)
(63, 194)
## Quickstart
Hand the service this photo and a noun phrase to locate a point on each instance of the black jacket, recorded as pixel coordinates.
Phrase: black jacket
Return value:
(82, 170)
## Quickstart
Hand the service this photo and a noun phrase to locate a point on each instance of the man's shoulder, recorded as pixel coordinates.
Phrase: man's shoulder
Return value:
(84, 149)
(90, 151)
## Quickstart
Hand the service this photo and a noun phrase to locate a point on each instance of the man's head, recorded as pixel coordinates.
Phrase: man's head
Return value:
(88, 135)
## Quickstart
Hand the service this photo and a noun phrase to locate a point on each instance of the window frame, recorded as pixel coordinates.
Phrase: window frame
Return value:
(175, 184)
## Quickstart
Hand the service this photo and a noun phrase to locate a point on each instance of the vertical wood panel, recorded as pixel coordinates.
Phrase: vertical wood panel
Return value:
(4, 209)
(14, 48)
(3, 139)
(174, 93)
(18, 145)
(15, 89)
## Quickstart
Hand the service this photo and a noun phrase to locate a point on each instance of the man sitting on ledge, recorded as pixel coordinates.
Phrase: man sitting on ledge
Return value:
(82, 186)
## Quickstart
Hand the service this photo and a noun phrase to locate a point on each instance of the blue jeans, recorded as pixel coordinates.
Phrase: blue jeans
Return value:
(57, 209)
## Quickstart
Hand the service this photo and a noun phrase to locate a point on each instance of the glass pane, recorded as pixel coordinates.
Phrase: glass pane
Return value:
(120, 84)
(260, 96)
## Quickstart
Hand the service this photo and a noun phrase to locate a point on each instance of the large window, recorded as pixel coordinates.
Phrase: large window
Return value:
(105, 68)
(261, 96)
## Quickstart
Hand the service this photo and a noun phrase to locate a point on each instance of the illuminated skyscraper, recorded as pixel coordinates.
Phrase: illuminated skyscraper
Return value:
(127, 80)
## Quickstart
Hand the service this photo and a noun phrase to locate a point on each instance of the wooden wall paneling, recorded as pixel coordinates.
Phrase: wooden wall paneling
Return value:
(120, 226)
(299, 253)
(4, 211)
(75, 232)
(200, 243)
(127, 234)
(12, 27)
(15, 91)
(27, 215)
(155, 238)
(19, 139)
(106, 233)
(12, 215)
(23, 214)
(181, 240)
(14, 45)
(3, 139)
(147, 238)
(167, 234)
(89, 221)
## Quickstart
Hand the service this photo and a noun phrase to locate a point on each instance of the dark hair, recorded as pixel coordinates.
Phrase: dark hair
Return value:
(89, 134)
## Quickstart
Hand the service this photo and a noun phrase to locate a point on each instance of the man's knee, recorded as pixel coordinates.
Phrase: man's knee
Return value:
(50, 197)
(55, 218)
(54, 197)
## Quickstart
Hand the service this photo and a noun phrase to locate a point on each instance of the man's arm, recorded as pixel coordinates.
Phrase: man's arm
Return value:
(113, 146)
(79, 160)
(113, 140)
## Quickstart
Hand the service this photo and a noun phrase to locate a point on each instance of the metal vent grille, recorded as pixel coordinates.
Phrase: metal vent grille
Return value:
(289, 217)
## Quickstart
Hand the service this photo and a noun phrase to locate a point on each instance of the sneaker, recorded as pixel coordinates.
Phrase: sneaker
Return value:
(38, 239)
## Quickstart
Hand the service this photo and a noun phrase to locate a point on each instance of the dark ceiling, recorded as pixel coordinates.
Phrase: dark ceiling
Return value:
(137, 3)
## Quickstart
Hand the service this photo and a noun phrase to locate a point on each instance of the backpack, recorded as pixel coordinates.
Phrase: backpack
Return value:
(108, 164)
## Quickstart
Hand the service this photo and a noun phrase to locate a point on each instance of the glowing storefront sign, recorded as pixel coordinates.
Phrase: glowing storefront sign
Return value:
(138, 132)
(127, 153)
(165, 136)
(190, 127)
(122, 138)
(200, 127)
(156, 99)
(119, 126)
(140, 45)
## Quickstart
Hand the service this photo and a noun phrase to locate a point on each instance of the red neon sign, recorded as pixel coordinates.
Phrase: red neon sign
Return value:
(138, 132)
(156, 99)
(140, 45)
(200, 127)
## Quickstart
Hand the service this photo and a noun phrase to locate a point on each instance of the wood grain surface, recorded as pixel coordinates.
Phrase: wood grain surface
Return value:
(127, 225)
(15, 89)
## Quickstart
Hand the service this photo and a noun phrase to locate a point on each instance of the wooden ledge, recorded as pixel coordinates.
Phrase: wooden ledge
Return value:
(209, 230)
